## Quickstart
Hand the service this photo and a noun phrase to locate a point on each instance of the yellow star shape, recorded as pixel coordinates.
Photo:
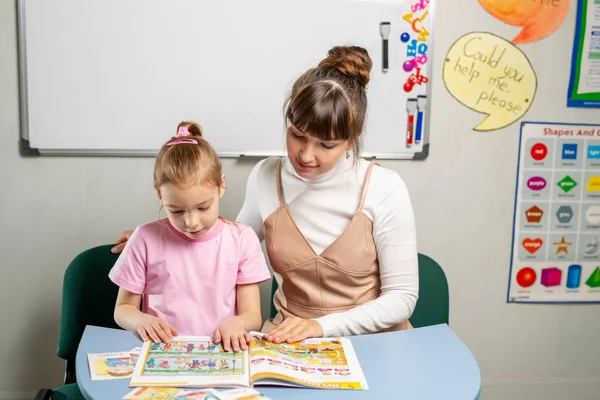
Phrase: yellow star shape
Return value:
(562, 246)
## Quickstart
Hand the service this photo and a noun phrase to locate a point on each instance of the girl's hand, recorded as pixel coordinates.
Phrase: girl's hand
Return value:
(294, 329)
(233, 334)
(120, 242)
(155, 329)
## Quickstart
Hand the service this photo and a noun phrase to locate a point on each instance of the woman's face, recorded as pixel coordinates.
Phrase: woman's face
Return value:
(311, 156)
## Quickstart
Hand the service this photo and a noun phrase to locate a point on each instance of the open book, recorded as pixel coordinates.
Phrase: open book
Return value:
(195, 361)
(170, 393)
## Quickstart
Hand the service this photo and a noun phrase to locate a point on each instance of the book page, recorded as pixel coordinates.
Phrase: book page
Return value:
(241, 394)
(196, 394)
(190, 361)
(110, 365)
(327, 363)
(172, 393)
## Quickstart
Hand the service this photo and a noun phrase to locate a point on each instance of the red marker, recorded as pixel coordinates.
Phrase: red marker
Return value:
(411, 107)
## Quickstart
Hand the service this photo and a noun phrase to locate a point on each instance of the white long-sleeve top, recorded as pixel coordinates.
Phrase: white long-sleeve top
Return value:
(322, 207)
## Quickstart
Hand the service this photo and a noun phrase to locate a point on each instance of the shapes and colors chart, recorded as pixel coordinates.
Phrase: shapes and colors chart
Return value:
(556, 227)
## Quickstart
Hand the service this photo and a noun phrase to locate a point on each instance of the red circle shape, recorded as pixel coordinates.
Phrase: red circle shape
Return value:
(539, 151)
(526, 277)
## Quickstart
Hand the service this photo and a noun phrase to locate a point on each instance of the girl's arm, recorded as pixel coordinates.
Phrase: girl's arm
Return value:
(234, 331)
(395, 237)
(252, 270)
(248, 305)
(129, 273)
(128, 316)
(127, 310)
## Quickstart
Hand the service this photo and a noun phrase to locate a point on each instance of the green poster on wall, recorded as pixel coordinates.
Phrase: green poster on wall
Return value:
(584, 84)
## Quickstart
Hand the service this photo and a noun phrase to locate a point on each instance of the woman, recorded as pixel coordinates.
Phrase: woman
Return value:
(339, 231)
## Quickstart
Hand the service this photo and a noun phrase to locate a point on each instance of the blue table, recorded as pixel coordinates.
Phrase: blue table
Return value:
(423, 363)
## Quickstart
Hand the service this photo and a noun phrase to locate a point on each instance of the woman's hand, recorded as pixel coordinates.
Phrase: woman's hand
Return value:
(294, 329)
(121, 241)
(156, 329)
(233, 334)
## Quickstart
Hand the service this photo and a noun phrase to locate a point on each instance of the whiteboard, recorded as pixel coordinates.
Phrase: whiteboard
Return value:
(115, 77)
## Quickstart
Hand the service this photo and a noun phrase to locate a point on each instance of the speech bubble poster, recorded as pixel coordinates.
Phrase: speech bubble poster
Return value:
(537, 18)
(492, 76)
(555, 253)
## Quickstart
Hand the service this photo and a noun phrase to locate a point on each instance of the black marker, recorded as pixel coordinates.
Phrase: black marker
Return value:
(384, 29)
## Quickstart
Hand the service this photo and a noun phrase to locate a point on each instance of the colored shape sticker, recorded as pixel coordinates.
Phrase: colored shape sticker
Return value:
(536, 183)
(562, 246)
(593, 184)
(539, 18)
(567, 184)
(490, 75)
(592, 247)
(569, 151)
(564, 214)
(593, 152)
(539, 151)
(593, 215)
(526, 277)
(532, 245)
(405, 37)
(534, 215)
(573, 276)
(551, 276)
(594, 280)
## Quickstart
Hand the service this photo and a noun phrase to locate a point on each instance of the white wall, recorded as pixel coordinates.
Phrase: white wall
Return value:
(53, 208)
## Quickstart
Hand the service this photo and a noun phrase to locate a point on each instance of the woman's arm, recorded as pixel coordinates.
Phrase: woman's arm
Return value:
(395, 237)
(250, 213)
(121, 241)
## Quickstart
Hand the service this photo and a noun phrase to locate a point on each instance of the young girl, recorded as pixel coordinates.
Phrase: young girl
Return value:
(194, 273)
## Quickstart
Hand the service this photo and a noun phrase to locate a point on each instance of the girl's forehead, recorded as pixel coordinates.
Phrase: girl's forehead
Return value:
(193, 189)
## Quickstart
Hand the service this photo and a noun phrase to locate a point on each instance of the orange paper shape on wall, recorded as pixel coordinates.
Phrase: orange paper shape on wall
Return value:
(539, 18)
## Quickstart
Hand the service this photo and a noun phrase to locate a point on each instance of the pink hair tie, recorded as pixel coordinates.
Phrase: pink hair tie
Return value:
(183, 132)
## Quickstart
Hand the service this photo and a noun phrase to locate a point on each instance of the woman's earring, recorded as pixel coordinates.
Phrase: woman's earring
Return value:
(347, 155)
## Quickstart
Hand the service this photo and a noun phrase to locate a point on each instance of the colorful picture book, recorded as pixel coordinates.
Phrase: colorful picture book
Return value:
(166, 393)
(241, 394)
(110, 365)
(194, 361)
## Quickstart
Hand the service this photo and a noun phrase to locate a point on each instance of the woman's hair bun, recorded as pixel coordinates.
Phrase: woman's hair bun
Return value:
(353, 61)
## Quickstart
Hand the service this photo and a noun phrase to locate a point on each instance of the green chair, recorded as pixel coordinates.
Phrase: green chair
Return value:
(433, 304)
(273, 290)
(88, 298)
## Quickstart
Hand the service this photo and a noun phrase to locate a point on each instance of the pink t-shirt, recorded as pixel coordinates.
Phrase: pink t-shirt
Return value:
(190, 283)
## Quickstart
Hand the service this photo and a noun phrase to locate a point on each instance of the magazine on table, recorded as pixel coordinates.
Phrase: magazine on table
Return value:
(196, 361)
(171, 393)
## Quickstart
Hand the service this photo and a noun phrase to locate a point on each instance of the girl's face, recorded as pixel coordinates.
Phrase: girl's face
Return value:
(311, 156)
(193, 210)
